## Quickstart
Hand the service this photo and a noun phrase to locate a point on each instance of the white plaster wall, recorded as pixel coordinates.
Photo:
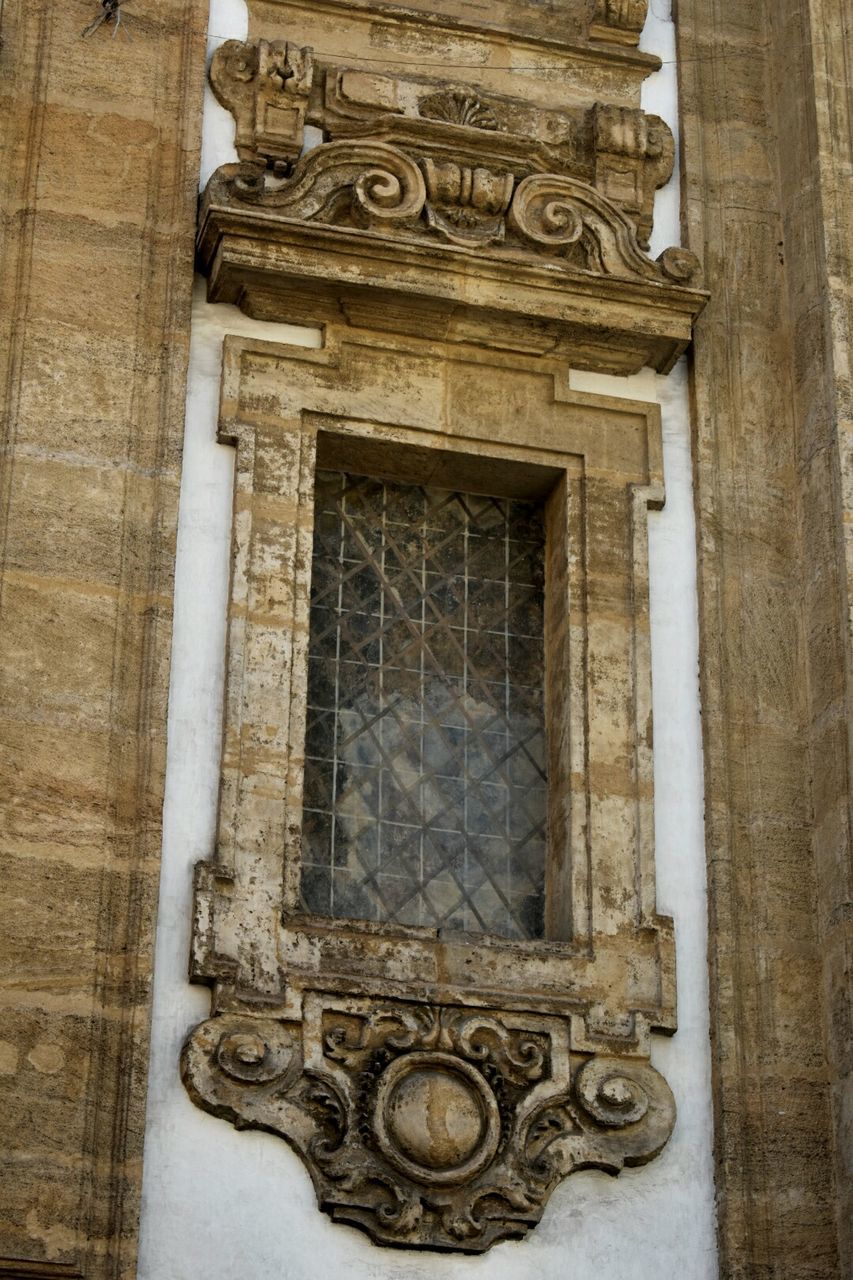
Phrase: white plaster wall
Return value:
(220, 1204)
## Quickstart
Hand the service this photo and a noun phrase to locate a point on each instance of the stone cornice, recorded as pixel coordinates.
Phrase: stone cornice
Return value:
(358, 226)
(607, 33)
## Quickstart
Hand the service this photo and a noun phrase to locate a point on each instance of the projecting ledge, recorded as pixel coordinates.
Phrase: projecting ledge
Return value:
(550, 267)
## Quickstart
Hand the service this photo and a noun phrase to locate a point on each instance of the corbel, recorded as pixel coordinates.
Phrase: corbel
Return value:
(634, 155)
(265, 85)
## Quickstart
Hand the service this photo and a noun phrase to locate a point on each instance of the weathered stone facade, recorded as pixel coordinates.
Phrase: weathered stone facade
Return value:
(100, 155)
(763, 167)
(446, 220)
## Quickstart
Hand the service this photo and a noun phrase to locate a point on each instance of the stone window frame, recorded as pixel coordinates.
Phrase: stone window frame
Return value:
(289, 988)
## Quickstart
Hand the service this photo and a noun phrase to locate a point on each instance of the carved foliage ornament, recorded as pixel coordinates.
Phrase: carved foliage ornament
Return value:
(443, 1127)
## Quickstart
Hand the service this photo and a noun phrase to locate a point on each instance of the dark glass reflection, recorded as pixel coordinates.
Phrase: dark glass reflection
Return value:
(425, 783)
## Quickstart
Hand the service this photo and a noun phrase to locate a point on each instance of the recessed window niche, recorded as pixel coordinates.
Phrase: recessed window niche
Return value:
(425, 796)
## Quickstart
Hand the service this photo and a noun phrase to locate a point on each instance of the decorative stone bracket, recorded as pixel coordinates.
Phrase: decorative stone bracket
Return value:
(265, 85)
(634, 155)
(439, 1127)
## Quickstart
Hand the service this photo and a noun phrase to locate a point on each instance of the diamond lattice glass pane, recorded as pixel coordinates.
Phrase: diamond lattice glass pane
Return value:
(425, 784)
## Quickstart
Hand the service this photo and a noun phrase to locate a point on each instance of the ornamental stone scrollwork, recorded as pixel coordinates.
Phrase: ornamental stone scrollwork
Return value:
(411, 174)
(430, 1126)
(265, 85)
(376, 186)
(368, 184)
(275, 88)
(556, 214)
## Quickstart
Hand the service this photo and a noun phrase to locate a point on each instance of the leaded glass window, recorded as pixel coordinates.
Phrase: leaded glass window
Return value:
(425, 779)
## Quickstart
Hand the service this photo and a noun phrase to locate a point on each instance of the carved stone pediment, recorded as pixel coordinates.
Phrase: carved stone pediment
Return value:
(620, 150)
(372, 185)
(526, 223)
(476, 242)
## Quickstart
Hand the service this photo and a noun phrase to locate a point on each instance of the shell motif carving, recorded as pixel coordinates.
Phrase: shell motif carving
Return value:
(430, 1127)
(458, 107)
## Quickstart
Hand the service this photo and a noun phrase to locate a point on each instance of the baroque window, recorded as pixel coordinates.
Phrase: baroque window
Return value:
(429, 924)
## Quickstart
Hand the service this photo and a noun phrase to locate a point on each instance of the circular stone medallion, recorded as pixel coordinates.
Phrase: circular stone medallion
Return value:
(436, 1118)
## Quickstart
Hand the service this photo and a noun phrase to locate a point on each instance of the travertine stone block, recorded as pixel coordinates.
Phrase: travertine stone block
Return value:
(100, 156)
(773, 602)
